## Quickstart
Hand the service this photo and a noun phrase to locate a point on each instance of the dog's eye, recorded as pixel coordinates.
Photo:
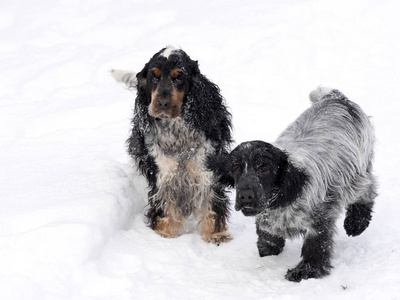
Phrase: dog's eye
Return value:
(155, 79)
(236, 169)
(178, 80)
(263, 170)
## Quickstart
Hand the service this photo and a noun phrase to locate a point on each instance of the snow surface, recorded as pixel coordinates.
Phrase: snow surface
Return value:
(71, 204)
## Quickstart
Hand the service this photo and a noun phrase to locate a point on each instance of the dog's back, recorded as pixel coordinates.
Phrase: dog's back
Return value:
(334, 140)
(319, 165)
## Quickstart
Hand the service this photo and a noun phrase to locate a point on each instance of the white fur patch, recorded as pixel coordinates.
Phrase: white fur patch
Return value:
(167, 52)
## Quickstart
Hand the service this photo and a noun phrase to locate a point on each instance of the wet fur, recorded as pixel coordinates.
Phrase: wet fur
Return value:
(299, 185)
(179, 148)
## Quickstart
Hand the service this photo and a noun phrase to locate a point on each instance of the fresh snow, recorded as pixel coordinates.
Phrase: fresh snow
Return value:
(71, 204)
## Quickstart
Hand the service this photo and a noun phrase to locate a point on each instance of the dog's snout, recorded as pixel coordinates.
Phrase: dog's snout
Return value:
(163, 103)
(246, 195)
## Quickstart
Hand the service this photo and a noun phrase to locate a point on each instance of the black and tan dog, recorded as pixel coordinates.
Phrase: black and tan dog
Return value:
(181, 129)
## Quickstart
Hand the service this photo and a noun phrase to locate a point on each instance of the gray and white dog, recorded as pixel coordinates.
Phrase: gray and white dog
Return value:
(299, 185)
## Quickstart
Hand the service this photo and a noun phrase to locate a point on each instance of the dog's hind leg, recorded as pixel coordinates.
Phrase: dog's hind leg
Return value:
(269, 244)
(359, 213)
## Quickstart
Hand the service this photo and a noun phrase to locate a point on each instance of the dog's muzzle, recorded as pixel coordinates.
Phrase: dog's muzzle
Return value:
(246, 201)
(163, 103)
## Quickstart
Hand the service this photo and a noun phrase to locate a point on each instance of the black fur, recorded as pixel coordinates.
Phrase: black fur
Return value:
(357, 219)
(269, 244)
(264, 169)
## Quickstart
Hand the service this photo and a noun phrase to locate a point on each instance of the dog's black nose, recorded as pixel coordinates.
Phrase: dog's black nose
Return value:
(163, 103)
(246, 195)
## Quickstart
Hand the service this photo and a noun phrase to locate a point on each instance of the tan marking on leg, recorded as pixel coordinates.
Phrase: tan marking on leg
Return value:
(171, 225)
(168, 227)
(207, 228)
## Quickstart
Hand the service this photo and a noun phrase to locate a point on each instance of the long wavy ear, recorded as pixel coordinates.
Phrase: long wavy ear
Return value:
(289, 182)
(141, 118)
(221, 167)
(205, 109)
(143, 94)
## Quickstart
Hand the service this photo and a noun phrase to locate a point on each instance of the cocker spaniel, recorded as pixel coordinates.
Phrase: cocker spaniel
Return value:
(299, 185)
(181, 130)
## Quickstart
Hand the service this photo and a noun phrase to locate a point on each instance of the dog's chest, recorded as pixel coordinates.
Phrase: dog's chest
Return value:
(180, 155)
(287, 222)
(174, 138)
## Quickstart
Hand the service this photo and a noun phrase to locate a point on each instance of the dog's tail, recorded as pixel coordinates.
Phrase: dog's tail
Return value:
(319, 93)
(125, 76)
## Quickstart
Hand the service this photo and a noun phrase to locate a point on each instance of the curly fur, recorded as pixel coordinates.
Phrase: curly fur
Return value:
(181, 130)
(300, 184)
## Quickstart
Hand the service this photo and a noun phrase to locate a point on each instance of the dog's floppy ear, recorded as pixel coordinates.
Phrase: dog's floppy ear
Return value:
(205, 109)
(288, 183)
(143, 93)
(227, 177)
(141, 78)
(196, 70)
(221, 166)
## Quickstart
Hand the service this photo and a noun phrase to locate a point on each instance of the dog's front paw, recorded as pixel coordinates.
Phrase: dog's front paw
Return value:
(168, 235)
(357, 218)
(267, 250)
(210, 232)
(217, 237)
(305, 271)
(168, 228)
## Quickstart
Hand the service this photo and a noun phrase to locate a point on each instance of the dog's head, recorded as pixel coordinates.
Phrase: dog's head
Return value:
(165, 80)
(263, 177)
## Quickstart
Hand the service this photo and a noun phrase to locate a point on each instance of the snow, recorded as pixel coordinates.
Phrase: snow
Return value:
(71, 204)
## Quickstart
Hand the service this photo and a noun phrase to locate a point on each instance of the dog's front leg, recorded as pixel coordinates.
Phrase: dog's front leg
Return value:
(211, 230)
(269, 244)
(170, 225)
(316, 253)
